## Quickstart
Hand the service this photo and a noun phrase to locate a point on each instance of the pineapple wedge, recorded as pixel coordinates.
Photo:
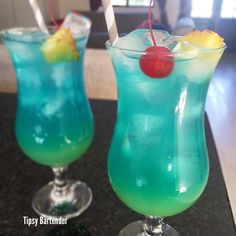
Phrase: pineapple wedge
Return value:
(60, 47)
(199, 46)
(205, 39)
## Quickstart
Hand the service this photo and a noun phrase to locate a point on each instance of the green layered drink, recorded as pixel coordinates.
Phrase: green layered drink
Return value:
(158, 162)
(54, 122)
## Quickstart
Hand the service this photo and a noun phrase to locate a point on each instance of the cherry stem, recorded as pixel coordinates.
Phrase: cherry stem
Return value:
(150, 23)
(52, 7)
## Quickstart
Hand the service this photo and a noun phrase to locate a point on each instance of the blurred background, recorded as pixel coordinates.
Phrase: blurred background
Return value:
(218, 15)
(177, 16)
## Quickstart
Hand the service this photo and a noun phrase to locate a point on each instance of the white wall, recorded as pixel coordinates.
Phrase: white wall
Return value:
(16, 13)
(24, 15)
(6, 14)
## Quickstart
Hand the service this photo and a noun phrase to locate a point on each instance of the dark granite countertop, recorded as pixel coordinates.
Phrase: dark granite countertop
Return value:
(20, 178)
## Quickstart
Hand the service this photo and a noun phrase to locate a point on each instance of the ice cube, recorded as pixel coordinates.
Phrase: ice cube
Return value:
(30, 85)
(170, 42)
(78, 24)
(135, 40)
(198, 64)
(61, 75)
(140, 39)
(25, 35)
(143, 134)
(23, 54)
(53, 106)
(145, 127)
(163, 38)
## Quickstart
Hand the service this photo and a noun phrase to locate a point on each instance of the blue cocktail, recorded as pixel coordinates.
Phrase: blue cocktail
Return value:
(158, 162)
(54, 123)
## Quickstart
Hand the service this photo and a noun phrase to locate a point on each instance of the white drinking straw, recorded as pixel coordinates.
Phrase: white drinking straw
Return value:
(38, 16)
(110, 20)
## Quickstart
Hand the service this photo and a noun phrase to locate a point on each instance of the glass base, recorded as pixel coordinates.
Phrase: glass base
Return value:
(74, 199)
(137, 229)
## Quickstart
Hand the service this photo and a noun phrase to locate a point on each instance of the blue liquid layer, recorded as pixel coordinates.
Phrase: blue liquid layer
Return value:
(158, 161)
(54, 123)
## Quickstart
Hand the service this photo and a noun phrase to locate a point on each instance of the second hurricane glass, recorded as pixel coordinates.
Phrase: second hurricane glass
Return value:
(158, 161)
(54, 123)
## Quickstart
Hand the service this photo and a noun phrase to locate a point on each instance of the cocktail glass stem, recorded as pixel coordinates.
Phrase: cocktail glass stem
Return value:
(62, 197)
(60, 180)
(153, 226)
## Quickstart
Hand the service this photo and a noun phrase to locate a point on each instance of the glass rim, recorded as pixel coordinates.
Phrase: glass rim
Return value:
(14, 33)
(185, 55)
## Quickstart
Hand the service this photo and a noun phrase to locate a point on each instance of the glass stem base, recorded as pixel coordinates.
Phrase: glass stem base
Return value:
(62, 198)
(144, 228)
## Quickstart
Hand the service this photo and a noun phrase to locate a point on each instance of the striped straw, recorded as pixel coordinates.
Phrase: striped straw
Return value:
(38, 16)
(110, 20)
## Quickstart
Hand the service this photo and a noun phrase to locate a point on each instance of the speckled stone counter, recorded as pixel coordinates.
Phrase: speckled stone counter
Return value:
(20, 178)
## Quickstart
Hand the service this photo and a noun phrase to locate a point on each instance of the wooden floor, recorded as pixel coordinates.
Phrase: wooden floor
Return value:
(221, 103)
(221, 109)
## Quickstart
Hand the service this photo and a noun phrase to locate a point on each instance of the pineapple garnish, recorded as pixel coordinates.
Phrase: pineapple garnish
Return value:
(205, 39)
(60, 47)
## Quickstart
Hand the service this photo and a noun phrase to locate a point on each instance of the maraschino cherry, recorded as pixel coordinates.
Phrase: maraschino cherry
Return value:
(157, 61)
